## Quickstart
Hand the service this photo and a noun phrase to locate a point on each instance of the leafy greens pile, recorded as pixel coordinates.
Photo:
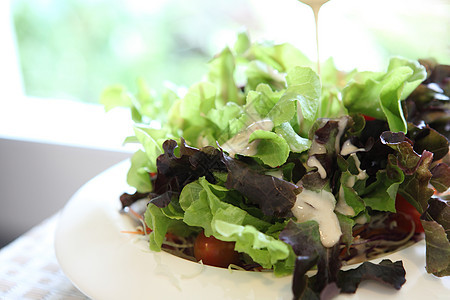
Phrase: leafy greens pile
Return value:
(231, 155)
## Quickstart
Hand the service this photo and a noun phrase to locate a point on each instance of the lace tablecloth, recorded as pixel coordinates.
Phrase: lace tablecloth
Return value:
(29, 269)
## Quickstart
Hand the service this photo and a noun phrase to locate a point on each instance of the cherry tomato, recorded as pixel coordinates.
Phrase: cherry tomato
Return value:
(368, 118)
(214, 252)
(405, 214)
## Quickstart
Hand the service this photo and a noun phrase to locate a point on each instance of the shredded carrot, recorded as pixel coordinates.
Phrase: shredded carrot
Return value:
(135, 213)
(357, 231)
(133, 232)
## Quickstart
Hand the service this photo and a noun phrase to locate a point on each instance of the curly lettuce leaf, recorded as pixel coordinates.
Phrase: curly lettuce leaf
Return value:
(296, 143)
(159, 223)
(204, 208)
(302, 96)
(150, 139)
(426, 138)
(379, 94)
(387, 272)
(143, 105)
(199, 100)
(272, 149)
(304, 238)
(138, 175)
(221, 74)
(262, 248)
(380, 195)
(202, 204)
(222, 116)
(260, 102)
(282, 57)
(436, 223)
(274, 196)
(415, 187)
(175, 172)
(440, 178)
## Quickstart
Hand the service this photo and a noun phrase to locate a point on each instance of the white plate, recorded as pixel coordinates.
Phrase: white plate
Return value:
(105, 263)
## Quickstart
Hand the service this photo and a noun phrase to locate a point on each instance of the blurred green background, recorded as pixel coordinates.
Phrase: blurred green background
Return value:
(72, 49)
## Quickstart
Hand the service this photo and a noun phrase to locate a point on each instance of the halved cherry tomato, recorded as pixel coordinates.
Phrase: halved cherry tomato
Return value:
(214, 252)
(405, 214)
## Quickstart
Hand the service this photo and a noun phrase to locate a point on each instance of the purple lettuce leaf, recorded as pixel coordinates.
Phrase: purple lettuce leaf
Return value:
(426, 138)
(417, 189)
(440, 177)
(304, 238)
(430, 102)
(436, 223)
(322, 156)
(375, 156)
(274, 196)
(173, 172)
(386, 272)
(128, 199)
(416, 185)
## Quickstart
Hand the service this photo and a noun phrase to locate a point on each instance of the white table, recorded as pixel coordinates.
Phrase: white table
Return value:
(29, 269)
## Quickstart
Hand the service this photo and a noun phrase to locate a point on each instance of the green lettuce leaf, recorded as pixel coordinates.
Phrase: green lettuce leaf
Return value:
(379, 95)
(301, 96)
(198, 101)
(296, 143)
(260, 102)
(262, 248)
(272, 149)
(380, 195)
(138, 174)
(202, 206)
(222, 116)
(221, 74)
(282, 57)
(151, 141)
(159, 223)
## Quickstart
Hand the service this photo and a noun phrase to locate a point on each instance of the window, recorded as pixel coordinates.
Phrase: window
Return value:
(74, 48)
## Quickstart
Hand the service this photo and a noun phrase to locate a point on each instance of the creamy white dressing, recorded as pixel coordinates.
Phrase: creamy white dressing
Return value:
(342, 206)
(319, 206)
(362, 219)
(349, 148)
(342, 124)
(317, 148)
(276, 173)
(239, 143)
(362, 173)
(315, 6)
(314, 162)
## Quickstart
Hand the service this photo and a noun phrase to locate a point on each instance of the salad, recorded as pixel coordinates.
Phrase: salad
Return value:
(266, 166)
